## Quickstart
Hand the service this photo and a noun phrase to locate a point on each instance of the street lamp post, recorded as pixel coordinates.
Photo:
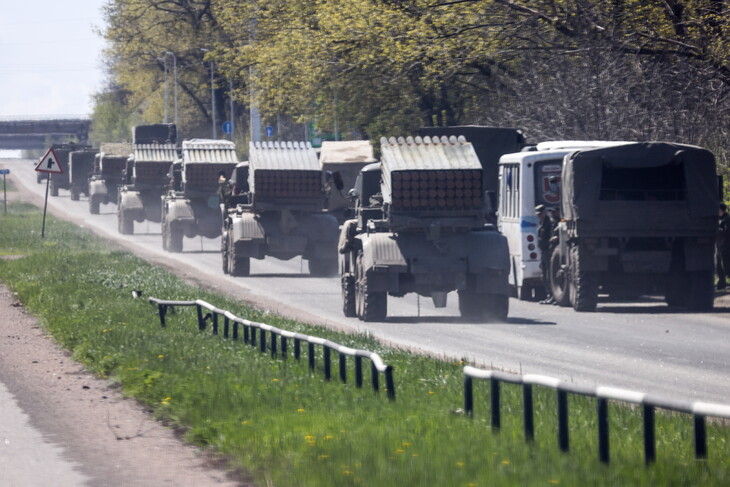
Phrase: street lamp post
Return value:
(167, 89)
(174, 75)
(212, 95)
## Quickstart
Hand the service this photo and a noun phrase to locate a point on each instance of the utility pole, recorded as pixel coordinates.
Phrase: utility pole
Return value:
(167, 89)
(174, 75)
(212, 95)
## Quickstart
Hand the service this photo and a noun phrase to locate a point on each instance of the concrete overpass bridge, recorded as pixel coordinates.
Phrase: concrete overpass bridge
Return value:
(26, 133)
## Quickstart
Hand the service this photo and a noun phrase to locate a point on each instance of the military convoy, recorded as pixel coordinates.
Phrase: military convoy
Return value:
(276, 207)
(190, 207)
(420, 227)
(636, 218)
(145, 176)
(107, 175)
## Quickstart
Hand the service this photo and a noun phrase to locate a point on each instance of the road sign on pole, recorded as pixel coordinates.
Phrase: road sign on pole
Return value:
(49, 163)
(5, 172)
(269, 131)
(227, 127)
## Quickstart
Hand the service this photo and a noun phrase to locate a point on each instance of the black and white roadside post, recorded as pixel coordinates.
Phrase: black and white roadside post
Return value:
(5, 172)
(48, 164)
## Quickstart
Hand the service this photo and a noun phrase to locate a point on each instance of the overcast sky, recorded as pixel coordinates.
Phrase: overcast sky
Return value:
(50, 56)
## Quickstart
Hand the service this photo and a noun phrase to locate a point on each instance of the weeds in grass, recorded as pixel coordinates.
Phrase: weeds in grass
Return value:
(291, 427)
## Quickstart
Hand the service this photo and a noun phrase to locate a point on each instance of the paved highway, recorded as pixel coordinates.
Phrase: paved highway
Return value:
(643, 346)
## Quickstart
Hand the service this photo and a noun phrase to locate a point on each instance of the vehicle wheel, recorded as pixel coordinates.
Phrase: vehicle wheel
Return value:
(237, 265)
(524, 293)
(54, 189)
(125, 223)
(323, 267)
(348, 296)
(559, 279)
(471, 306)
(75, 194)
(93, 206)
(701, 291)
(674, 293)
(224, 252)
(496, 307)
(585, 287)
(370, 305)
(173, 236)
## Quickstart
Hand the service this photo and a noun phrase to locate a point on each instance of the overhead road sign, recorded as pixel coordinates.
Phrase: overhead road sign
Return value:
(49, 163)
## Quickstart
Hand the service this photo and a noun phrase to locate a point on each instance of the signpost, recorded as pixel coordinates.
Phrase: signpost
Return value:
(5, 172)
(269, 131)
(48, 164)
(227, 127)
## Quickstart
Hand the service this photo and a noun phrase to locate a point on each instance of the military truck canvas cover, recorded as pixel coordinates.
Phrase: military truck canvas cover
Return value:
(80, 164)
(490, 143)
(113, 159)
(431, 174)
(284, 170)
(678, 181)
(203, 159)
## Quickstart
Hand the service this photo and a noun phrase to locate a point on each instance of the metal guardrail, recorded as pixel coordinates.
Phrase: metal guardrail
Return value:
(231, 324)
(699, 410)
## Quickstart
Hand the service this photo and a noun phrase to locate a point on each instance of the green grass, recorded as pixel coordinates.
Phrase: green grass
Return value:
(292, 428)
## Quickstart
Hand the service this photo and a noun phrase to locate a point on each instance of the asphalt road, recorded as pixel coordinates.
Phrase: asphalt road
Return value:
(644, 346)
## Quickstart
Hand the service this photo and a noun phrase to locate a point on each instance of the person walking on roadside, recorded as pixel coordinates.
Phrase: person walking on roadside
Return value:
(544, 233)
(722, 248)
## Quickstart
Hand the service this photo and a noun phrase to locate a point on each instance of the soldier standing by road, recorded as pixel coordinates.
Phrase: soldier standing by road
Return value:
(722, 247)
(544, 232)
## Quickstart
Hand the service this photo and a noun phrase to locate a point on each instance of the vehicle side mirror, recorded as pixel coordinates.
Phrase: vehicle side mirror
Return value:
(352, 194)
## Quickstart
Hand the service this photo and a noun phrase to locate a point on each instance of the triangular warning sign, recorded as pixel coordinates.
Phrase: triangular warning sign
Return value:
(49, 163)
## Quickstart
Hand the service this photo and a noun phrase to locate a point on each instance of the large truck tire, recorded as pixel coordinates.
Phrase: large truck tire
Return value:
(75, 194)
(370, 305)
(559, 279)
(323, 267)
(585, 286)
(125, 223)
(94, 206)
(348, 296)
(701, 291)
(483, 307)
(172, 236)
(674, 293)
(238, 266)
(224, 252)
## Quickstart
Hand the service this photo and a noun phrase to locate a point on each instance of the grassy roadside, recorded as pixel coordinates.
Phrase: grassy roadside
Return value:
(288, 427)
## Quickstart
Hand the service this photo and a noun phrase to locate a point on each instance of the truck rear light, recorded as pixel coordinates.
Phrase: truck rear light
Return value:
(533, 255)
(531, 247)
(530, 237)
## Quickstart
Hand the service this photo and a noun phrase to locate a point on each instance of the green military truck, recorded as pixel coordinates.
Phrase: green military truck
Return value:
(190, 207)
(420, 227)
(638, 218)
(146, 175)
(277, 208)
(62, 180)
(107, 174)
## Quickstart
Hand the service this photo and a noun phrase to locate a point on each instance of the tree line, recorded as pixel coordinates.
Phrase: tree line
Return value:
(558, 69)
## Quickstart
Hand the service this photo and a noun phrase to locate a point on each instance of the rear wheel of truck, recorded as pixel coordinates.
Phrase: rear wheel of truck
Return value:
(224, 252)
(238, 266)
(93, 206)
(370, 305)
(323, 267)
(674, 293)
(701, 291)
(75, 194)
(173, 238)
(125, 223)
(585, 286)
(348, 296)
(559, 279)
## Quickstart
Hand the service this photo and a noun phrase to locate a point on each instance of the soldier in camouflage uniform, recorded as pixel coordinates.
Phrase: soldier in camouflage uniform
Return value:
(544, 233)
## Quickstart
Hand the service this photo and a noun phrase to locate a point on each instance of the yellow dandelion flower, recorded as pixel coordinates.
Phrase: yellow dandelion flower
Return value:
(431, 392)
(300, 410)
(166, 401)
(471, 484)
(347, 472)
(160, 356)
(406, 444)
(244, 422)
(554, 481)
(460, 464)
(324, 456)
(327, 437)
(505, 462)
(399, 451)
(274, 380)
